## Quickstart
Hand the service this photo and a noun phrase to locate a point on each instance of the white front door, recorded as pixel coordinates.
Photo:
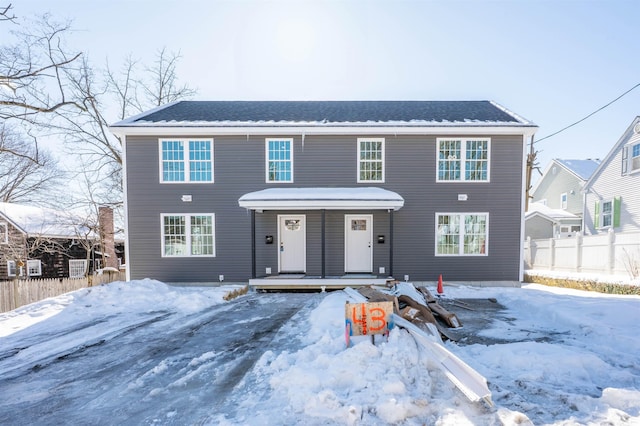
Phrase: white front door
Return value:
(292, 253)
(358, 250)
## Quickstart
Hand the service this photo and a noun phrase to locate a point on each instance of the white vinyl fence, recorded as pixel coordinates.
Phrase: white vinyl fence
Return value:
(611, 254)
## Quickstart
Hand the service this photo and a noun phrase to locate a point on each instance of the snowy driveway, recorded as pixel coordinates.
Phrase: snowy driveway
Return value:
(149, 367)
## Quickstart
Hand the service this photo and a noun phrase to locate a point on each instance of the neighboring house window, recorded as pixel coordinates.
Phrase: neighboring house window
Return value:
(279, 155)
(563, 201)
(371, 160)
(11, 268)
(635, 157)
(607, 213)
(463, 160)
(188, 235)
(461, 234)
(77, 268)
(34, 268)
(186, 160)
(4, 233)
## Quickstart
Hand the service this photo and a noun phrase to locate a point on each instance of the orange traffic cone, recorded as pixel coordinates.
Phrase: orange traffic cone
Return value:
(440, 290)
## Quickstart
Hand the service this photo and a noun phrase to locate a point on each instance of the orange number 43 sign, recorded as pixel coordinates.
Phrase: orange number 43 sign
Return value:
(363, 319)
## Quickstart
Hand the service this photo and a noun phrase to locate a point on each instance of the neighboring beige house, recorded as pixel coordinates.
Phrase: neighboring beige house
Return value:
(560, 190)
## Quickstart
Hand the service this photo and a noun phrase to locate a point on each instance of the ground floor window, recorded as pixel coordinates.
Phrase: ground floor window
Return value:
(188, 235)
(461, 234)
(77, 268)
(34, 268)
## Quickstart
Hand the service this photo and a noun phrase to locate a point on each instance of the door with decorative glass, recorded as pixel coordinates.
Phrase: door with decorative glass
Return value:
(358, 248)
(292, 253)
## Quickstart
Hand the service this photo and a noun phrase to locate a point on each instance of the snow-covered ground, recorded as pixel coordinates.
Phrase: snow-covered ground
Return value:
(552, 356)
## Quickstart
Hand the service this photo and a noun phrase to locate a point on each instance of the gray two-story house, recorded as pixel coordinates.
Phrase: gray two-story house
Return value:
(324, 190)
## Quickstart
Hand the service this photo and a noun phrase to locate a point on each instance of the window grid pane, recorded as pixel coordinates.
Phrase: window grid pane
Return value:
(173, 161)
(607, 210)
(280, 161)
(448, 234)
(371, 161)
(201, 235)
(476, 160)
(175, 236)
(449, 160)
(475, 234)
(200, 161)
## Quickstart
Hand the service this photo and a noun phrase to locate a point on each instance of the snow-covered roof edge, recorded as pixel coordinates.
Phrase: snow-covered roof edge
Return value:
(131, 120)
(513, 114)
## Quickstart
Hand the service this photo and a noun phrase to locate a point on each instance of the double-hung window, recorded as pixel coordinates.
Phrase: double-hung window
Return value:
(463, 159)
(188, 235)
(371, 160)
(34, 268)
(186, 160)
(77, 268)
(607, 213)
(461, 234)
(11, 268)
(563, 201)
(279, 160)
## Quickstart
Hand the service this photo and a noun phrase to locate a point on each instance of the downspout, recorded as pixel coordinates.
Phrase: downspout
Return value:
(391, 243)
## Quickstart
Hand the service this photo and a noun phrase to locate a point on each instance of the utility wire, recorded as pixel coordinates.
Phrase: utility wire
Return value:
(593, 113)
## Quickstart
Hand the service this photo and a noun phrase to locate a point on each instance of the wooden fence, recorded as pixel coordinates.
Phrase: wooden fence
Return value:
(16, 293)
(609, 254)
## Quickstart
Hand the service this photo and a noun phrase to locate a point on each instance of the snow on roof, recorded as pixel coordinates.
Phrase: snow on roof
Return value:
(43, 221)
(327, 113)
(549, 212)
(582, 168)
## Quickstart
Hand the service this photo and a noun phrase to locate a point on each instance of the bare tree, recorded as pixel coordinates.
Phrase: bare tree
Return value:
(22, 178)
(161, 85)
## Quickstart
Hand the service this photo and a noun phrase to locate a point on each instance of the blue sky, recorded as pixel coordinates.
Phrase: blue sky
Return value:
(552, 62)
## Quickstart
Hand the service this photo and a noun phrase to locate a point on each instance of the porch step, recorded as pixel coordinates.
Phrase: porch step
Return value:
(312, 283)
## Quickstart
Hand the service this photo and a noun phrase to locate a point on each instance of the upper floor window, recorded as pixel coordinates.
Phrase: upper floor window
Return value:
(186, 160)
(463, 159)
(563, 201)
(188, 235)
(371, 160)
(461, 234)
(279, 156)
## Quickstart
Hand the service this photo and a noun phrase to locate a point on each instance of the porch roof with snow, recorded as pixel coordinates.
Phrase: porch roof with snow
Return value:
(367, 198)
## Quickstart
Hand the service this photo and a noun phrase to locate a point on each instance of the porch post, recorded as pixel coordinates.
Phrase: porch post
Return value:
(253, 243)
(323, 242)
(391, 243)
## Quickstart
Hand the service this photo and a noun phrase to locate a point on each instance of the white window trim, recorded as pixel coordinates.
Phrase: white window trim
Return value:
(84, 268)
(463, 150)
(629, 160)
(611, 214)
(382, 161)
(565, 203)
(39, 267)
(461, 252)
(188, 234)
(15, 268)
(266, 159)
(187, 170)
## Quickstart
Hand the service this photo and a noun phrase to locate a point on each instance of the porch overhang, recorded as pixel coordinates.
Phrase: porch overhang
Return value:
(364, 198)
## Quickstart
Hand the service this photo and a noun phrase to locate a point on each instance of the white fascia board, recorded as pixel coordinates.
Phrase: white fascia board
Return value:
(462, 129)
(260, 205)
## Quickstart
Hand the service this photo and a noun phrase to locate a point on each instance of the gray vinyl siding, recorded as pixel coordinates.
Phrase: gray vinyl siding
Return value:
(326, 161)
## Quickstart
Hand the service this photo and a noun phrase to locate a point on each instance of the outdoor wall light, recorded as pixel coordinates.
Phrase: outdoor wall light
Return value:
(380, 239)
(268, 239)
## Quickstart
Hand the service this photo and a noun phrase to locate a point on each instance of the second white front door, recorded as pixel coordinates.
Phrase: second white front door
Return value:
(292, 254)
(358, 250)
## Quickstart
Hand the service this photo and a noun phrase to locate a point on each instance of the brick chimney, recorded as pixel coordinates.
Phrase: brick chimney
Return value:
(105, 222)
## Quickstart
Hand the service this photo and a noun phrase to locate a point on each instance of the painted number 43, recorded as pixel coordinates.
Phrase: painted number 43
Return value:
(362, 319)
